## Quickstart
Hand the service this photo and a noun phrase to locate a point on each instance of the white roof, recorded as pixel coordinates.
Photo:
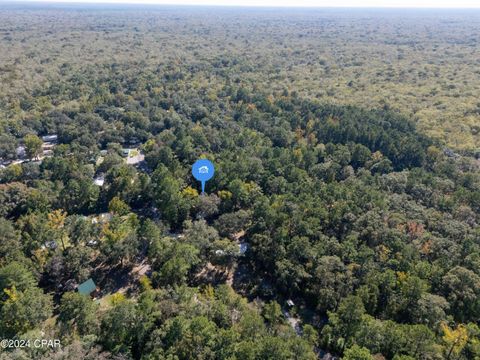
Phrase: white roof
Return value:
(243, 246)
(52, 137)
(99, 181)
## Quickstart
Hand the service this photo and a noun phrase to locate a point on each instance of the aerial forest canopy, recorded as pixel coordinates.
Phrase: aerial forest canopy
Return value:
(342, 219)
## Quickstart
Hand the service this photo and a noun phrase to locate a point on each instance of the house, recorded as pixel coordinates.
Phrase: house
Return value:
(88, 288)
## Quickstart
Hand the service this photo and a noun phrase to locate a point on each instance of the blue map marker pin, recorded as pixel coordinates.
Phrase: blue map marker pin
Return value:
(203, 171)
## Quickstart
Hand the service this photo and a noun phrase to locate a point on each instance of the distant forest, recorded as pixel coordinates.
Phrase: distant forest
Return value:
(343, 218)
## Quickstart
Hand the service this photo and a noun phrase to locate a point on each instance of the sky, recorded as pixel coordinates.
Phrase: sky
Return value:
(300, 3)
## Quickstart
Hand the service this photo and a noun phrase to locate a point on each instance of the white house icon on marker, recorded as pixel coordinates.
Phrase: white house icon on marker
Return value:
(203, 170)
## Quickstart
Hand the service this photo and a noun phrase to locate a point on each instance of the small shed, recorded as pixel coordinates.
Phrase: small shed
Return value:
(52, 138)
(99, 180)
(242, 247)
(21, 152)
(87, 288)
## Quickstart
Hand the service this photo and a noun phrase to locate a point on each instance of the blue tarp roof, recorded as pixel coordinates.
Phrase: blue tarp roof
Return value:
(87, 287)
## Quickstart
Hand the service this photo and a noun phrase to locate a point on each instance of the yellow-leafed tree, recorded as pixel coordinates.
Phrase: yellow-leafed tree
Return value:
(455, 339)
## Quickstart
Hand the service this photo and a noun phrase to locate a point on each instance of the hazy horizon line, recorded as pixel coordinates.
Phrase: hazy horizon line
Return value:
(232, 5)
